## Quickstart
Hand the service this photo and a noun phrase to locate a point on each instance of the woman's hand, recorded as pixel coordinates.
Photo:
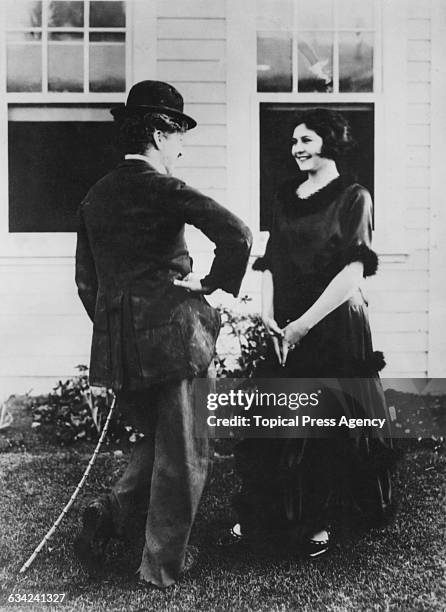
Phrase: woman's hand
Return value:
(276, 335)
(191, 282)
(292, 335)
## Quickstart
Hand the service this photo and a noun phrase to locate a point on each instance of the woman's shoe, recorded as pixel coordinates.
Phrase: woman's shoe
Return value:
(316, 548)
(233, 538)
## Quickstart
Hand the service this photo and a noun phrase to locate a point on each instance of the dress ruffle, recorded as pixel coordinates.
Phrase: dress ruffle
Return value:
(362, 253)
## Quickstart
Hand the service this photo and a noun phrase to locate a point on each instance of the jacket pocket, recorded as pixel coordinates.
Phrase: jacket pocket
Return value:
(161, 351)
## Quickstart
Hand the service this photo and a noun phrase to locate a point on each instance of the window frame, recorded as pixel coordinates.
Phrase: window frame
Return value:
(390, 118)
(335, 30)
(140, 64)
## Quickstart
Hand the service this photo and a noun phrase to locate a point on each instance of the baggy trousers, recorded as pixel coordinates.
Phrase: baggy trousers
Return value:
(165, 476)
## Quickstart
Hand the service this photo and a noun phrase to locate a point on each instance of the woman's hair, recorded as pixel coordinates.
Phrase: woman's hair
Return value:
(332, 127)
(136, 129)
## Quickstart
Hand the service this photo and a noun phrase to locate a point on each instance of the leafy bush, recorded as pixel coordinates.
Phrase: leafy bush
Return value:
(250, 343)
(74, 411)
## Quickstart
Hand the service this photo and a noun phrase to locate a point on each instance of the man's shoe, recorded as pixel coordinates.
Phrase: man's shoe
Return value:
(190, 561)
(97, 529)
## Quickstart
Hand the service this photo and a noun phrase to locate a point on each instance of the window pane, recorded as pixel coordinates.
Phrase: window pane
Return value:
(274, 14)
(107, 36)
(107, 15)
(65, 67)
(52, 165)
(24, 67)
(66, 14)
(73, 36)
(355, 61)
(24, 37)
(21, 14)
(274, 58)
(107, 62)
(354, 14)
(315, 14)
(315, 61)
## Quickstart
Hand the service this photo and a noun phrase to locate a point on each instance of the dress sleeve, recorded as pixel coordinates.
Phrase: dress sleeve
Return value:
(233, 239)
(357, 234)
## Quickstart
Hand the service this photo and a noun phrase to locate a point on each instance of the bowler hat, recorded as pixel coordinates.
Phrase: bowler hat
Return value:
(157, 96)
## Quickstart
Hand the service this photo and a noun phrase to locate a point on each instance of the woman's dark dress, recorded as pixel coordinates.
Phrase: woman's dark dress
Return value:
(300, 485)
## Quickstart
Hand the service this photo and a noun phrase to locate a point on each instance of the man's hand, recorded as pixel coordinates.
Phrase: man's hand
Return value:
(276, 335)
(192, 283)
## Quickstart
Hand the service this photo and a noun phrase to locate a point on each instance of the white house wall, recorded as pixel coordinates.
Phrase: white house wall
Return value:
(43, 329)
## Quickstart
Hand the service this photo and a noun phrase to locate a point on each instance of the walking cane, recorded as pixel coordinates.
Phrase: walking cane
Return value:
(72, 499)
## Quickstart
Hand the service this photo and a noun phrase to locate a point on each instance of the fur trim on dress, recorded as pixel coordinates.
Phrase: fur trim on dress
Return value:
(361, 252)
(261, 264)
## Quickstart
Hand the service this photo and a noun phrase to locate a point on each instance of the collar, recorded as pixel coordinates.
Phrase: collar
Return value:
(157, 167)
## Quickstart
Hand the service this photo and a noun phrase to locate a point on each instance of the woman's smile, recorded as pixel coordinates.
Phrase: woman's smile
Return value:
(306, 147)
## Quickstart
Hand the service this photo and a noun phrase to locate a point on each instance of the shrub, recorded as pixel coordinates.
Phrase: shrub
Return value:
(74, 411)
(250, 343)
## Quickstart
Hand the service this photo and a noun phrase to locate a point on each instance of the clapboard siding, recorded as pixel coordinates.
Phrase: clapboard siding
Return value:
(419, 29)
(418, 198)
(418, 135)
(201, 93)
(418, 114)
(418, 156)
(419, 50)
(196, 29)
(419, 93)
(190, 9)
(418, 10)
(207, 135)
(199, 156)
(191, 71)
(400, 322)
(419, 72)
(189, 50)
(208, 114)
(404, 333)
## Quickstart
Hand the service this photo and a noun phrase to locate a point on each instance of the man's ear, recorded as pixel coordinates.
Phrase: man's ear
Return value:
(158, 137)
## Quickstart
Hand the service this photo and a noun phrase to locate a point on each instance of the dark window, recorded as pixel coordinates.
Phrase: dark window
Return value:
(277, 121)
(52, 164)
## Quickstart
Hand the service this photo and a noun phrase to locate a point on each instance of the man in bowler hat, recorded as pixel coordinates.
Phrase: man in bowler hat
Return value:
(153, 331)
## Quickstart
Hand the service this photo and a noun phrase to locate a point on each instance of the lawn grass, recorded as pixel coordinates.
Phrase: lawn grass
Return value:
(401, 567)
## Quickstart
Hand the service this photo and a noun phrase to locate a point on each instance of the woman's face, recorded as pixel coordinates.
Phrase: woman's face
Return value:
(306, 149)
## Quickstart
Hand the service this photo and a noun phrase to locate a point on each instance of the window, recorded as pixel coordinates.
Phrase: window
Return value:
(61, 46)
(316, 46)
(54, 157)
(318, 53)
(66, 66)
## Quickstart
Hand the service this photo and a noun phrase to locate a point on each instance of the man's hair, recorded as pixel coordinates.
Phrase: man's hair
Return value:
(136, 130)
(332, 127)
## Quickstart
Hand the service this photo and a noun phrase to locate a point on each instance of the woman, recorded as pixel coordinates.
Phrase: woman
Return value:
(316, 316)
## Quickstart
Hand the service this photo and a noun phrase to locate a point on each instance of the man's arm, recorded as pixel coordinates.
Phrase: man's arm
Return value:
(233, 239)
(86, 278)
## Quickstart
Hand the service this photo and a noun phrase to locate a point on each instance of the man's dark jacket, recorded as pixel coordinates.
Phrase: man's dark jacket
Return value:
(130, 249)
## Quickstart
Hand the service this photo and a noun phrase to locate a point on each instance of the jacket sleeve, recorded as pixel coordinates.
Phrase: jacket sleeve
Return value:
(86, 278)
(233, 239)
(357, 232)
